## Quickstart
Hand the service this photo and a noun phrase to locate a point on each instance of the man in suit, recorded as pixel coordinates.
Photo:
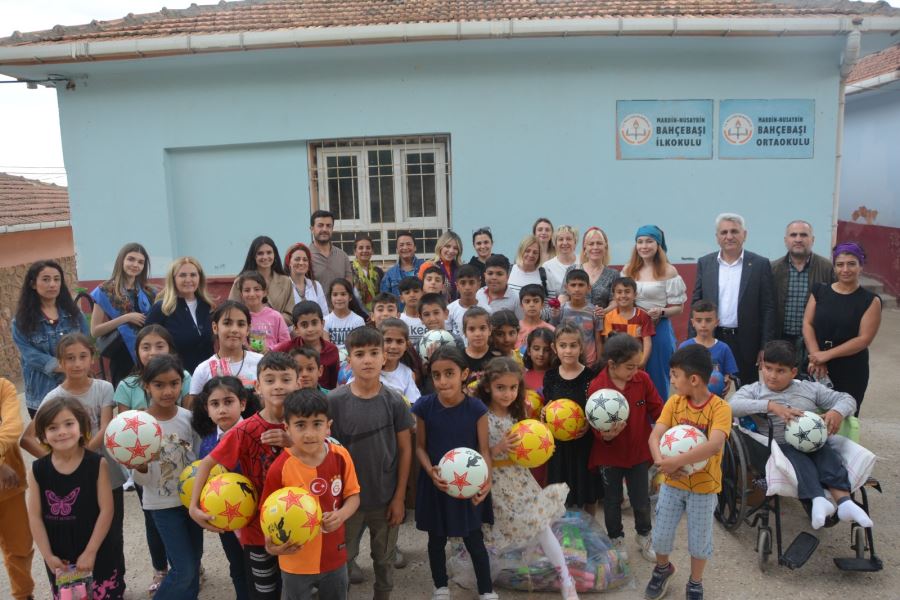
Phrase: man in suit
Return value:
(740, 283)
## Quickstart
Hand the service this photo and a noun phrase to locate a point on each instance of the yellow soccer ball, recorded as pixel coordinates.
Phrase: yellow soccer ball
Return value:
(230, 499)
(186, 480)
(565, 419)
(537, 444)
(473, 387)
(291, 514)
(534, 402)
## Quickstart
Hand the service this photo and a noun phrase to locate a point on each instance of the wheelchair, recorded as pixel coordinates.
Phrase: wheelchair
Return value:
(743, 500)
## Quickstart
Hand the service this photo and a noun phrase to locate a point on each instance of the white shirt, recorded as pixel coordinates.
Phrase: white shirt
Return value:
(402, 380)
(509, 301)
(457, 312)
(339, 328)
(192, 307)
(179, 449)
(244, 369)
(729, 290)
(313, 292)
(416, 328)
(556, 276)
(519, 279)
(220, 433)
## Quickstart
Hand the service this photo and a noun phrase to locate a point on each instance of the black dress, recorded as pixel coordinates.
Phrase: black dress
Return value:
(569, 463)
(836, 320)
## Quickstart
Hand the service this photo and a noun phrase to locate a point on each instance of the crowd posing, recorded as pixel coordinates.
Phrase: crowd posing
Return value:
(327, 372)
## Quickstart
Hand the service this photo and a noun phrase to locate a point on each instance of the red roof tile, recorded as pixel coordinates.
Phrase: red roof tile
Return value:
(880, 63)
(265, 15)
(26, 201)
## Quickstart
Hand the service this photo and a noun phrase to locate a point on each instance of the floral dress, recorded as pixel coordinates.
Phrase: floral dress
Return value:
(521, 508)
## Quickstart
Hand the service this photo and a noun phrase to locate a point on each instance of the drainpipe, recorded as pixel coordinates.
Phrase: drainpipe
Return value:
(851, 55)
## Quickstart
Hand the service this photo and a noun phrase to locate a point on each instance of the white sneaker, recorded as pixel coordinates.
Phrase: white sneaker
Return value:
(442, 593)
(129, 483)
(646, 545)
(619, 545)
(489, 596)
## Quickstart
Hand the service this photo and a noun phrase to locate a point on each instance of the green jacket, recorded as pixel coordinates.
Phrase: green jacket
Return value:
(820, 270)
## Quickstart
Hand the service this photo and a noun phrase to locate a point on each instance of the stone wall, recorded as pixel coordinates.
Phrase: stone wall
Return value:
(11, 279)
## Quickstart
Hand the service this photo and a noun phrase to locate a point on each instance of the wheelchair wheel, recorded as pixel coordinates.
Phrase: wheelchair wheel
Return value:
(859, 541)
(732, 501)
(763, 549)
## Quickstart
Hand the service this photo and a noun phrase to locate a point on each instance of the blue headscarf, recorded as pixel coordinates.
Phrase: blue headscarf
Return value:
(654, 232)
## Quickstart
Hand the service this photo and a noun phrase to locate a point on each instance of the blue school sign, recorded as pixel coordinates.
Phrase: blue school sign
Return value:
(767, 128)
(648, 129)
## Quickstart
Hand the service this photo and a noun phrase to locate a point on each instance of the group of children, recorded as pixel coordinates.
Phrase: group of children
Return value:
(280, 418)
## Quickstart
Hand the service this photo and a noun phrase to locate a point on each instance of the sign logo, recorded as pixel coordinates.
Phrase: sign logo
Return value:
(737, 129)
(635, 129)
(318, 486)
(336, 486)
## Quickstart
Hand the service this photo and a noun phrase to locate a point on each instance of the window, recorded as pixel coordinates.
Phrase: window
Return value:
(379, 186)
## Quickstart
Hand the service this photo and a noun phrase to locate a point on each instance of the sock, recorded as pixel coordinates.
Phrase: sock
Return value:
(664, 567)
(693, 583)
(821, 510)
(848, 510)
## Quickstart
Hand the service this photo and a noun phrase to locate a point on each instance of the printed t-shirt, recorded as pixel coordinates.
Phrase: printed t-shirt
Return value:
(584, 319)
(525, 330)
(416, 328)
(639, 325)
(244, 369)
(339, 328)
(723, 363)
(267, 329)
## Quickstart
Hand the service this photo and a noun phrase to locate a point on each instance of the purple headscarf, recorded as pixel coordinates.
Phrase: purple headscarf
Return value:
(849, 248)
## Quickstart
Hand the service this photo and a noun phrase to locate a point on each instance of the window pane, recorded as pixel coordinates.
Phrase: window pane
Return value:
(343, 190)
(381, 186)
(345, 240)
(426, 240)
(421, 198)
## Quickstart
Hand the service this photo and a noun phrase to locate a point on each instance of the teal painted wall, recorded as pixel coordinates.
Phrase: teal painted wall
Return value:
(200, 154)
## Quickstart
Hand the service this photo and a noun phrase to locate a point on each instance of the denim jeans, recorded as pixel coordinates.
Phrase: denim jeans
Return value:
(154, 542)
(183, 540)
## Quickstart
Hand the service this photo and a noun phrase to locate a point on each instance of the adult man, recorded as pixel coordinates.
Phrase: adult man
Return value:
(407, 264)
(329, 261)
(794, 276)
(740, 284)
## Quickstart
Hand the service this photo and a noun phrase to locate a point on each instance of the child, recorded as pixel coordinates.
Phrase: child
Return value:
(783, 397)
(309, 332)
(496, 295)
(579, 312)
(468, 280)
(622, 452)
(569, 463)
(411, 293)
(521, 507)
(705, 319)
(267, 326)
(70, 502)
(538, 357)
(253, 445)
(450, 419)
(433, 281)
(151, 341)
(308, 368)
(373, 422)
(344, 316)
(628, 318)
(230, 326)
(694, 494)
(477, 328)
(15, 536)
(531, 304)
(434, 316)
(384, 306)
(311, 458)
(182, 538)
(504, 333)
(396, 373)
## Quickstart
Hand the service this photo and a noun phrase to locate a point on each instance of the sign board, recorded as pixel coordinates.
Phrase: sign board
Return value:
(653, 129)
(767, 128)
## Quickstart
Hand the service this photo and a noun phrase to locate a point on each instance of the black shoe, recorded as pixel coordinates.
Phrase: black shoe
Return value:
(693, 591)
(659, 581)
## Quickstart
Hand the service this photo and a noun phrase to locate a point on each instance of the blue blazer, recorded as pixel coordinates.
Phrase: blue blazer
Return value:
(193, 341)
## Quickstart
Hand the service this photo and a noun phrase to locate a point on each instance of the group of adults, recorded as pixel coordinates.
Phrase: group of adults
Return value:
(813, 301)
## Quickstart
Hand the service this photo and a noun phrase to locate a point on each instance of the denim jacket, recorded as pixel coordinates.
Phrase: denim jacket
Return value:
(38, 354)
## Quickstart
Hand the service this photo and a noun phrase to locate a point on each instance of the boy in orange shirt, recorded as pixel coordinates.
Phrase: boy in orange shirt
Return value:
(326, 470)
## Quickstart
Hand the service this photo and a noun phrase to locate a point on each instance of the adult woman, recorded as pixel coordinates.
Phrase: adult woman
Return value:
(45, 313)
(298, 263)
(839, 324)
(662, 293)
(526, 269)
(183, 308)
(366, 276)
(564, 240)
(543, 231)
(407, 264)
(483, 241)
(595, 261)
(263, 257)
(446, 256)
(121, 306)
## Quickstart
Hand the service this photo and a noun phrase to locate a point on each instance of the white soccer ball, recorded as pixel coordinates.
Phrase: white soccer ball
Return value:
(680, 439)
(133, 437)
(433, 340)
(806, 433)
(465, 472)
(605, 408)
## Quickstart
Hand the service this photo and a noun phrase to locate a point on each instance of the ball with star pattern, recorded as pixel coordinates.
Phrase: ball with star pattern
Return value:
(230, 499)
(605, 408)
(291, 514)
(680, 439)
(132, 438)
(465, 472)
(806, 433)
(535, 445)
(565, 419)
(187, 477)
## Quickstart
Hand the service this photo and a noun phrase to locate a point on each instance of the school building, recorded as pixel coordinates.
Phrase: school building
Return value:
(193, 131)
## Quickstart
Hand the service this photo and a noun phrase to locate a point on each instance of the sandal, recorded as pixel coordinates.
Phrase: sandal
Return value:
(158, 577)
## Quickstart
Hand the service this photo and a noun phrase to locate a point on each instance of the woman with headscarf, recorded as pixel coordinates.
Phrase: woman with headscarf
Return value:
(366, 276)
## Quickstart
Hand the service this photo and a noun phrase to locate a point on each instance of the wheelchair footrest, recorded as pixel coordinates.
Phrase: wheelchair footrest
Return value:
(800, 550)
(859, 564)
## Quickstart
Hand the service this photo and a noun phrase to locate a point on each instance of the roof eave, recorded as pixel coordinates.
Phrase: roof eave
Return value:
(34, 226)
(873, 83)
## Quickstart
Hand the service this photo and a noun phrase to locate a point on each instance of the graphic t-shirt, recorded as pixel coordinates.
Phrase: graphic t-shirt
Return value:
(179, 449)
(584, 319)
(723, 364)
(340, 327)
(637, 325)
(244, 369)
(267, 329)
(416, 328)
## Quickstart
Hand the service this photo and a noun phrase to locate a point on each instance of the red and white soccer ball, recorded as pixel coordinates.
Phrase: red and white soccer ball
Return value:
(680, 439)
(465, 472)
(133, 437)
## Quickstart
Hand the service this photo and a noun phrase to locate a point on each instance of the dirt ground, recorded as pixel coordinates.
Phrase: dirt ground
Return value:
(732, 573)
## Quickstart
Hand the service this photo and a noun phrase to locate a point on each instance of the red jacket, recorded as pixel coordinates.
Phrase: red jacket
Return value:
(630, 447)
(329, 358)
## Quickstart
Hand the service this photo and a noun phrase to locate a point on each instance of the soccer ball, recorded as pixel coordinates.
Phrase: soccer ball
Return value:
(291, 514)
(565, 419)
(186, 480)
(680, 439)
(807, 433)
(605, 408)
(533, 404)
(433, 340)
(133, 437)
(230, 499)
(465, 471)
(537, 444)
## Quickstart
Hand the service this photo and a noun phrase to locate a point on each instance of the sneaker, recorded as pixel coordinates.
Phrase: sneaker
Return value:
(646, 545)
(619, 545)
(355, 574)
(693, 591)
(659, 581)
(158, 577)
(399, 559)
(489, 596)
(441, 593)
(128, 486)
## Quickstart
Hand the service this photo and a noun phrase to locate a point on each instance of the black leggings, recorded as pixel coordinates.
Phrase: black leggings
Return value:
(437, 559)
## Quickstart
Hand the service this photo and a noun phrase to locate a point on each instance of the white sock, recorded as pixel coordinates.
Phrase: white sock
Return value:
(553, 551)
(822, 508)
(848, 510)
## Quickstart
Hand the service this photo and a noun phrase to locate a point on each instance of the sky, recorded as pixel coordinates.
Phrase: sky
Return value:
(29, 122)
